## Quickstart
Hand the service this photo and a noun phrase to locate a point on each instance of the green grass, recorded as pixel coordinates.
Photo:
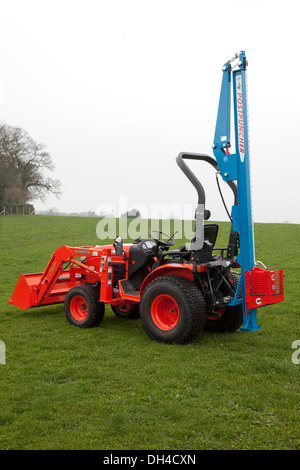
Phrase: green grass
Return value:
(113, 388)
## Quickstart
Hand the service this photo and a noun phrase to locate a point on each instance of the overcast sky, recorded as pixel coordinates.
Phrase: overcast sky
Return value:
(116, 89)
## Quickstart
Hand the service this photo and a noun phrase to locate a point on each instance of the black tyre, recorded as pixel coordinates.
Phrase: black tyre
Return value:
(227, 319)
(82, 306)
(172, 310)
(130, 310)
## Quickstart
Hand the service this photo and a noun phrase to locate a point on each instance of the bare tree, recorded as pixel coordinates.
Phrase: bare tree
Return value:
(22, 165)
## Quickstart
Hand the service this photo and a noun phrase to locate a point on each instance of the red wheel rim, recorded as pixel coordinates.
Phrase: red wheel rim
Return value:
(79, 308)
(165, 312)
(126, 307)
(219, 313)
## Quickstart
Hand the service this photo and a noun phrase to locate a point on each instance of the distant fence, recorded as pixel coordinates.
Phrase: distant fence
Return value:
(17, 209)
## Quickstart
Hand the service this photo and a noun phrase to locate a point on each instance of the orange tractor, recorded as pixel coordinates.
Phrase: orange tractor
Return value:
(176, 293)
(168, 290)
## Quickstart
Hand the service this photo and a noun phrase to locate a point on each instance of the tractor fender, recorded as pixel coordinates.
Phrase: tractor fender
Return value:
(171, 269)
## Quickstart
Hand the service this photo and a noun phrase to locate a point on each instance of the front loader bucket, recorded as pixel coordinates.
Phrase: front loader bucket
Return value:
(24, 295)
(31, 292)
(49, 287)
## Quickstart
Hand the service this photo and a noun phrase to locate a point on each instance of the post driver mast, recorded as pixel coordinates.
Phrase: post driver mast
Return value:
(236, 167)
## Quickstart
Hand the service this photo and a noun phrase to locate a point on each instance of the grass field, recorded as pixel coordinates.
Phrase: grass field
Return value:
(112, 388)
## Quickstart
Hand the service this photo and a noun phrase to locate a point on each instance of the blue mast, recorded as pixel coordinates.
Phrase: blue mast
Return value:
(236, 167)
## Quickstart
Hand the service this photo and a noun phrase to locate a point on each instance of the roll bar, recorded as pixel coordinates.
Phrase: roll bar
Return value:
(194, 180)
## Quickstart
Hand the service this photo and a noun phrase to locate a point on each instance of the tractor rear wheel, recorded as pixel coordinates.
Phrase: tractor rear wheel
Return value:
(126, 310)
(172, 310)
(227, 319)
(82, 306)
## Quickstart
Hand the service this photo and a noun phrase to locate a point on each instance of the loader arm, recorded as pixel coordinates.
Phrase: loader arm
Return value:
(52, 285)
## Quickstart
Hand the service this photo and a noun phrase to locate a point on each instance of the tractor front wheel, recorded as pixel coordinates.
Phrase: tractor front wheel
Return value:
(82, 306)
(172, 310)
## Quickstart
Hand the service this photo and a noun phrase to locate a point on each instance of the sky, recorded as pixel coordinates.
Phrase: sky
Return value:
(116, 89)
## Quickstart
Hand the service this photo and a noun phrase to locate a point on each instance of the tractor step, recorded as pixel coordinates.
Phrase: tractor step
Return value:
(129, 291)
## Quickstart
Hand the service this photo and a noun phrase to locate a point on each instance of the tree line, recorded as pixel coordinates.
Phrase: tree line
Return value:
(22, 165)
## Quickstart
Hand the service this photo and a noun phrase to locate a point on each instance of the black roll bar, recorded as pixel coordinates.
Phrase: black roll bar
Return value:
(194, 180)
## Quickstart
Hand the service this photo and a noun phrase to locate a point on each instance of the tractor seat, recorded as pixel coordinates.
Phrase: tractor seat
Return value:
(183, 255)
(210, 235)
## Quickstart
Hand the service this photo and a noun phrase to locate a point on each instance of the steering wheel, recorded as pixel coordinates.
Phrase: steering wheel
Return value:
(160, 242)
